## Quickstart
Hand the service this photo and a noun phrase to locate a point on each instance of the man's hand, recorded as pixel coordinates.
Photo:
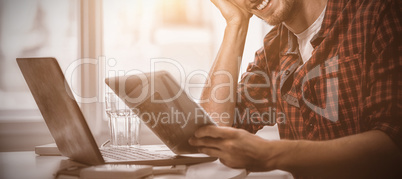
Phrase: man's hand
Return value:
(235, 148)
(367, 155)
(233, 14)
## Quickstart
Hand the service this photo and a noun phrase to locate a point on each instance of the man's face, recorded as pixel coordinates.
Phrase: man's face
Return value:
(271, 11)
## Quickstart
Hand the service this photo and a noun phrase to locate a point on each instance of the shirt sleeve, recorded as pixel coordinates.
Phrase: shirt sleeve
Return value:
(382, 105)
(254, 97)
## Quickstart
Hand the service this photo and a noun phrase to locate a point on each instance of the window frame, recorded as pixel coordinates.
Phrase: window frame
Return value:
(28, 123)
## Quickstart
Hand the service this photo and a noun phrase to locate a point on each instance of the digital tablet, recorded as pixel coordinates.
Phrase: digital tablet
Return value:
(163, 106)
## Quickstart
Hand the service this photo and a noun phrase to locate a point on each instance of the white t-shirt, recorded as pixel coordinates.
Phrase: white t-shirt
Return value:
(304, 38)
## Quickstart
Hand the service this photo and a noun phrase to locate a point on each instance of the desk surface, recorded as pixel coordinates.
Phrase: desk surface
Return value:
(29, 165)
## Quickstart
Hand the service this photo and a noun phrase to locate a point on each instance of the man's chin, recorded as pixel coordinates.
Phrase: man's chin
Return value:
(271, 21)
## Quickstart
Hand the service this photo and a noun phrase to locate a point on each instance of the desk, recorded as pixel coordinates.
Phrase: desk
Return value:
(20, 165)
(28, 165)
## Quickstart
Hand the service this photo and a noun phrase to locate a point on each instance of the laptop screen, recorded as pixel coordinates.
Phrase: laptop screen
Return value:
(59, 109)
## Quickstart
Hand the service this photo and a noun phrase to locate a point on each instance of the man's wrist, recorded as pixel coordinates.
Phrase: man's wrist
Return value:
(236, 34)
(242, 28)
(282, 154)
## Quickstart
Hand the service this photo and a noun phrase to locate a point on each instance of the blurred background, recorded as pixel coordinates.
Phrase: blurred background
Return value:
(119, 36)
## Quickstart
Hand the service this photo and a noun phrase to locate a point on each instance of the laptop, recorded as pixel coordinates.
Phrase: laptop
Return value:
(69, 129)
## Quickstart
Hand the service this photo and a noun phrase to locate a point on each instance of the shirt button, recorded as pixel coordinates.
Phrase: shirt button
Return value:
(311, 126)
(287, 72)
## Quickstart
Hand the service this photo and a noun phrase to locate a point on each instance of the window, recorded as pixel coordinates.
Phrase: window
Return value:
(135, 32)
(180, 32)
(180, 35)
(33, 29)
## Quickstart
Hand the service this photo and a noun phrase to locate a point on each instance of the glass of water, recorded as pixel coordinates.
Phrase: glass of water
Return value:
(123, 123)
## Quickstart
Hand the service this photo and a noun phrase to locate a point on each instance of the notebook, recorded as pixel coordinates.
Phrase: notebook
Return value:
(69, 129)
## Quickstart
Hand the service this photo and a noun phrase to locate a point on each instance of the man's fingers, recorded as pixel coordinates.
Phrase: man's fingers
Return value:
(213, 152)
(206, 142)
(215, 132)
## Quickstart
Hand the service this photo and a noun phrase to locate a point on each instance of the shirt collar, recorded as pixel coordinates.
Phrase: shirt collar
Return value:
(333, 9)
(293, 48)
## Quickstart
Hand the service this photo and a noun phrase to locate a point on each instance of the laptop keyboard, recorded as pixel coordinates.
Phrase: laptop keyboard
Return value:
(132, 154)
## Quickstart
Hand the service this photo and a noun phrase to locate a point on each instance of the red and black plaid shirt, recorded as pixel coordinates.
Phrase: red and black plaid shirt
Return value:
(351, 84)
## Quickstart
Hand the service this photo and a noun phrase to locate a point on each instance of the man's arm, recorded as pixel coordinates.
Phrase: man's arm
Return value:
(218, 95)
(367, 155)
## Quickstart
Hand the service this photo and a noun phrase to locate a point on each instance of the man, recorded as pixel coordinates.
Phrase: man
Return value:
(331, 67)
